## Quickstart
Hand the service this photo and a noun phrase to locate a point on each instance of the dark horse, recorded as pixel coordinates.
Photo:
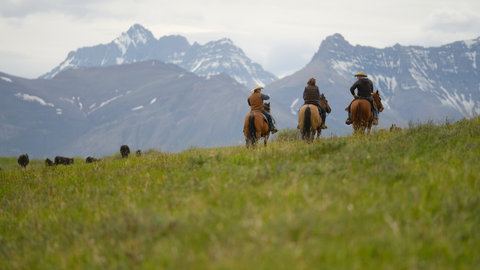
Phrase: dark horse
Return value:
(309, 119)
(256, 126)
(362, 115)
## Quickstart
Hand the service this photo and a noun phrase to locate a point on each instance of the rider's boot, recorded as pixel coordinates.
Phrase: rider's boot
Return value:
(349, 120)
(273, 128)
(375, 121)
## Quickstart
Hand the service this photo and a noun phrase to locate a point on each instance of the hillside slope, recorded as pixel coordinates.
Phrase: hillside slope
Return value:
(403, 200)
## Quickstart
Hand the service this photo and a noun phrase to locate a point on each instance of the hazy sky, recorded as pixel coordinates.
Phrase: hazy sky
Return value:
(36, 35)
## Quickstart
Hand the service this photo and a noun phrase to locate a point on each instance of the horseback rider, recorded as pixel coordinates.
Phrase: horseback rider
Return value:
(365, 89)
(255, 101)
(311, 95)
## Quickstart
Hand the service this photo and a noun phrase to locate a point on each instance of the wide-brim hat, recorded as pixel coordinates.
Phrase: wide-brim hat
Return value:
(360, 74)
(257, 87)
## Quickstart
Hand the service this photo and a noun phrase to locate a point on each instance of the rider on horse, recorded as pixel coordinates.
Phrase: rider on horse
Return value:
(311, 95)
(255, 101)
(365, 90)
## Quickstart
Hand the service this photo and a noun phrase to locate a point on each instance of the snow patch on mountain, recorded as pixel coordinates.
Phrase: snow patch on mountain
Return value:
(459, 102)
(293, 106)
(6, 79)
(30, 98)
(137, 108)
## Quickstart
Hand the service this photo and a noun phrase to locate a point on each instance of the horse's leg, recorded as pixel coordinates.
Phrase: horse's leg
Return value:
(319, 132)
(265, 139)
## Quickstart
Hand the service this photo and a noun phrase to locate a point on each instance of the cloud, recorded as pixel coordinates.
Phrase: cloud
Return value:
(24, 8)
(455, 22)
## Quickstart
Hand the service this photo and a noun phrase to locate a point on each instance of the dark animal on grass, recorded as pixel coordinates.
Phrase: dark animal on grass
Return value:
(124, 151)
(138, 153)
(91, 159)
(395, 128)
(63, 160)
(23, 160)
(49, 162)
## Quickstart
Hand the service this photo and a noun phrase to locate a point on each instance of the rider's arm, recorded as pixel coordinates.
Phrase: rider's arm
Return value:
(352, 89)
(265, 97)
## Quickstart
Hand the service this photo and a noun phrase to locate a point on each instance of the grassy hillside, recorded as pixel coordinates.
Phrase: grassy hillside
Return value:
(402, 200)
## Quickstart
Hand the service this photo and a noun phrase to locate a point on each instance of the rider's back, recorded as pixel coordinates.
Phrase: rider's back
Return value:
(364, 86)
(256, 102)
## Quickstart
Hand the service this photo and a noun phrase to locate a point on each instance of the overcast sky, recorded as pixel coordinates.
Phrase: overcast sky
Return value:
(36, 35)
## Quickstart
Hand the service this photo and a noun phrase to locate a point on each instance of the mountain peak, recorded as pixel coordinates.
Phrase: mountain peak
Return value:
(469, 43)
(225, 41)
(335, 40)
(139, 34)
(333, 43)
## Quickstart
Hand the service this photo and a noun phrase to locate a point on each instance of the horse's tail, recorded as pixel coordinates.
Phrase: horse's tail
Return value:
(307, 120)
(360, 117)
(252, 132)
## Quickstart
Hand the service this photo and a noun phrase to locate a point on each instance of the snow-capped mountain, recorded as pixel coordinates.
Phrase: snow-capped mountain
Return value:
(416, 83)
(138, 44)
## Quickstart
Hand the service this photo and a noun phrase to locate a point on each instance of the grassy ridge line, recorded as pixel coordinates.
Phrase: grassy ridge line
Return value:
(401, 200)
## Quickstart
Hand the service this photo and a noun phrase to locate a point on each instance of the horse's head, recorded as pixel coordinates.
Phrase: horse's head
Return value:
(324, 102)
(378, 100)
(266, 106)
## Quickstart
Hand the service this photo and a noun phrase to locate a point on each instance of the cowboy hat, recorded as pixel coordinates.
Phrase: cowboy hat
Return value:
(360, 74)
(257, 87)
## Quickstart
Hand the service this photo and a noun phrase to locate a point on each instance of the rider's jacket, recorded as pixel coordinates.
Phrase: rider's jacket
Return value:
(364, 86)
(311, 93)
(255, 101)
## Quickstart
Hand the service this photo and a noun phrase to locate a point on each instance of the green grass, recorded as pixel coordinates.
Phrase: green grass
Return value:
(401, 200)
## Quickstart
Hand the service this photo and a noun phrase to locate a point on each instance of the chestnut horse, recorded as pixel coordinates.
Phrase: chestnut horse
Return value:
(309, 119)
(256, 126)
(362, 115)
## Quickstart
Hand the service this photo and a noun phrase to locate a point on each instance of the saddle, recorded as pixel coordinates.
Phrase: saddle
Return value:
(365, 98)
(263, 115)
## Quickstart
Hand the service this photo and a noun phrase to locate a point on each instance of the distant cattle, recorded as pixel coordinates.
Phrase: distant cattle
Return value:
(49, 162)
(91, 159)
(124, 150)
(138, 153)
(63, 160)
(394, 128)
(23, 160)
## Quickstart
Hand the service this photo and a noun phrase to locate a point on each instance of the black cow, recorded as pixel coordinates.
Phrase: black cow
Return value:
(23, 160)
(49, 162)
(91, 159)
(124, 150)
(63, 160)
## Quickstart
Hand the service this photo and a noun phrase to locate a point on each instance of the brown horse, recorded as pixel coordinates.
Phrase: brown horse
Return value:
(362, 115)
(310, 121)
(256, 126)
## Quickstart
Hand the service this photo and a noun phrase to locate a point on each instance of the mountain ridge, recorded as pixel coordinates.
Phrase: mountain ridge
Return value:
(138, 44)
